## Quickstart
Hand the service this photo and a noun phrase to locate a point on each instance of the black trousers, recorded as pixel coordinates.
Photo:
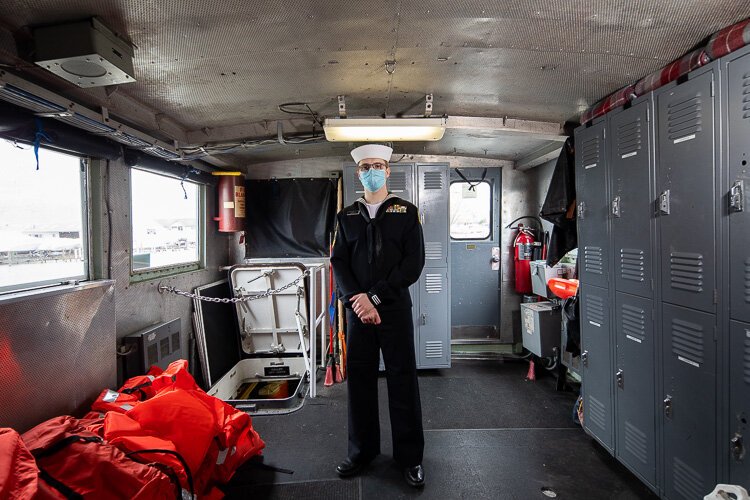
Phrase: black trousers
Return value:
(395, 337)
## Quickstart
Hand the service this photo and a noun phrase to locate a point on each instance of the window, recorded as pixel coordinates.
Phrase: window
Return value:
(471, 210)
(166, 225)
(42, 218)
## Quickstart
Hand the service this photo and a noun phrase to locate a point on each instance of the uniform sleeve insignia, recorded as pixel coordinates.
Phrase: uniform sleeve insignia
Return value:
(396, 209)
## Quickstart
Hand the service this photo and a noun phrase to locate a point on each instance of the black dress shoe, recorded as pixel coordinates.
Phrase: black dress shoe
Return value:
(414, 476)
(348, 468)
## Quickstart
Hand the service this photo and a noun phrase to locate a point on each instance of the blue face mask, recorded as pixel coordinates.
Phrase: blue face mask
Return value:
(373, 179)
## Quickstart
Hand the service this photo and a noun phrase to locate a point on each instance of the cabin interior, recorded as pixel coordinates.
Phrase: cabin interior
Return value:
(151, 148)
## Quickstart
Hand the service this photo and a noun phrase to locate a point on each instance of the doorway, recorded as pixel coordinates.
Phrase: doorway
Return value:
(475, 255)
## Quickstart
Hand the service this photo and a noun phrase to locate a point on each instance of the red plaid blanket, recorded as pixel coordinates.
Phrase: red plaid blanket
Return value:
(672, 71)
(729, 39)
(612, 101)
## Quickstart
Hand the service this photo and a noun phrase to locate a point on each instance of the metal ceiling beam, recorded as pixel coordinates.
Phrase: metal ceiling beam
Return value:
(541, 155)
(543, 130)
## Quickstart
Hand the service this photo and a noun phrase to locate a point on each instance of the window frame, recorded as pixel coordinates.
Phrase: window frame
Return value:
(84, 164)
(151, 273)
(490, 223)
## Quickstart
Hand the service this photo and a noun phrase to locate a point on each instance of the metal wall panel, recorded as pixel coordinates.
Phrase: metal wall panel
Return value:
(686, 186)
(689, 412)
(635, 388)
(631, 167)
(738, 129)
(57, 352)
(596, 343)
(739, 410)
(593, 205)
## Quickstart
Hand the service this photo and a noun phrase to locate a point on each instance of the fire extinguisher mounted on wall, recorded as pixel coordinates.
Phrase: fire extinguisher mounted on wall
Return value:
(231, 200)
(525, 249)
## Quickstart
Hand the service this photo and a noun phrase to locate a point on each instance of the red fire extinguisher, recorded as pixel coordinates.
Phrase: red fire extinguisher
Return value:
(524, 251)
(231, 197)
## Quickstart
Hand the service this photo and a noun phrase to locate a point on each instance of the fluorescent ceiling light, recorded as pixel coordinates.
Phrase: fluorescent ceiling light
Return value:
(384, 129)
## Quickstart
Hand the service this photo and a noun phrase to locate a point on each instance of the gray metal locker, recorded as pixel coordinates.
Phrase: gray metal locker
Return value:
(434, 325)
(631, 168)
(739, 404)
(401, 183)
(433, 348)
(737, 108)
(425, 186)
(596, 344)
(686, 186)
(635, 391)
(689, 407)
(593, 205)
(433, 208)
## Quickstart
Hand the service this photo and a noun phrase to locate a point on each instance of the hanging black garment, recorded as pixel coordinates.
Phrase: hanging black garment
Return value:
(559, 206)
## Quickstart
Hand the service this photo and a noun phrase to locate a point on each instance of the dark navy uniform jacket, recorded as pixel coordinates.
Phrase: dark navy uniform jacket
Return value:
(380, 256)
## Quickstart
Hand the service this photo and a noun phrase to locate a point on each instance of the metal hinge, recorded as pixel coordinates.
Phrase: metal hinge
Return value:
(737, 196)
(716, 296)
(712, 87)
(648, 114)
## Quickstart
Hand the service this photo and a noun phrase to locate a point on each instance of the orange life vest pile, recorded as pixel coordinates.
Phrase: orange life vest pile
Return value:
(159, 436)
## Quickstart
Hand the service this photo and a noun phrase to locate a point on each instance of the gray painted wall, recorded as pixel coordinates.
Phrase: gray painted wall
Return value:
(138, 305)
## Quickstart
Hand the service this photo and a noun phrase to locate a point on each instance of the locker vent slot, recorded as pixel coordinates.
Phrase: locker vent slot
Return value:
(686, 271)
(433, 250)
(634, 322)
(632, 264)
(594, 260)
(636, 443)
(433, 283)
(595, 310)
(433, 180)
(590, 153)
(629, 138)
(687, 481)
(684, 119)
(746, 96)
(746, 358)
(597, 413)
(747, 281)
(397, 182)
(687, 341)
(175, 342)
(152, 353)
(433, 349)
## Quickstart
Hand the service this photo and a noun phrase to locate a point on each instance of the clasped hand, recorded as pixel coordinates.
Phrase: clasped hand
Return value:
(364, 309)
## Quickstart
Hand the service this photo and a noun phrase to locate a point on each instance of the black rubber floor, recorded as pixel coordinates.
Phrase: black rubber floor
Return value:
(489, 433)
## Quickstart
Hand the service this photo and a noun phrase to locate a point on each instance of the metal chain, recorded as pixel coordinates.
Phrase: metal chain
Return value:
(234, 300)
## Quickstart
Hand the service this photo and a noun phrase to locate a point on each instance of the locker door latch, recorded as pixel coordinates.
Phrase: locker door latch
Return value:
(581, 210)
(736, 197)
(737, 447)
(668, 406)
(616, 206)
(585, 358)
(664, 202)
(620, 379)
(423, 318)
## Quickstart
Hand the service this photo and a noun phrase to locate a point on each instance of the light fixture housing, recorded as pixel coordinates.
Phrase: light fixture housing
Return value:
(384, 129)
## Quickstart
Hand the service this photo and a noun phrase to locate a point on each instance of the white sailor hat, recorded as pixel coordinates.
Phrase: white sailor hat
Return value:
(372, 151)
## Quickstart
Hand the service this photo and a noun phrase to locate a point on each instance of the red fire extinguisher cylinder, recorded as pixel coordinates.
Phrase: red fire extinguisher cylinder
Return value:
(231, 200)
(523, 254)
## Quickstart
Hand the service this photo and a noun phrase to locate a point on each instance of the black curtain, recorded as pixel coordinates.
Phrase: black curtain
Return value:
(289, 217)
